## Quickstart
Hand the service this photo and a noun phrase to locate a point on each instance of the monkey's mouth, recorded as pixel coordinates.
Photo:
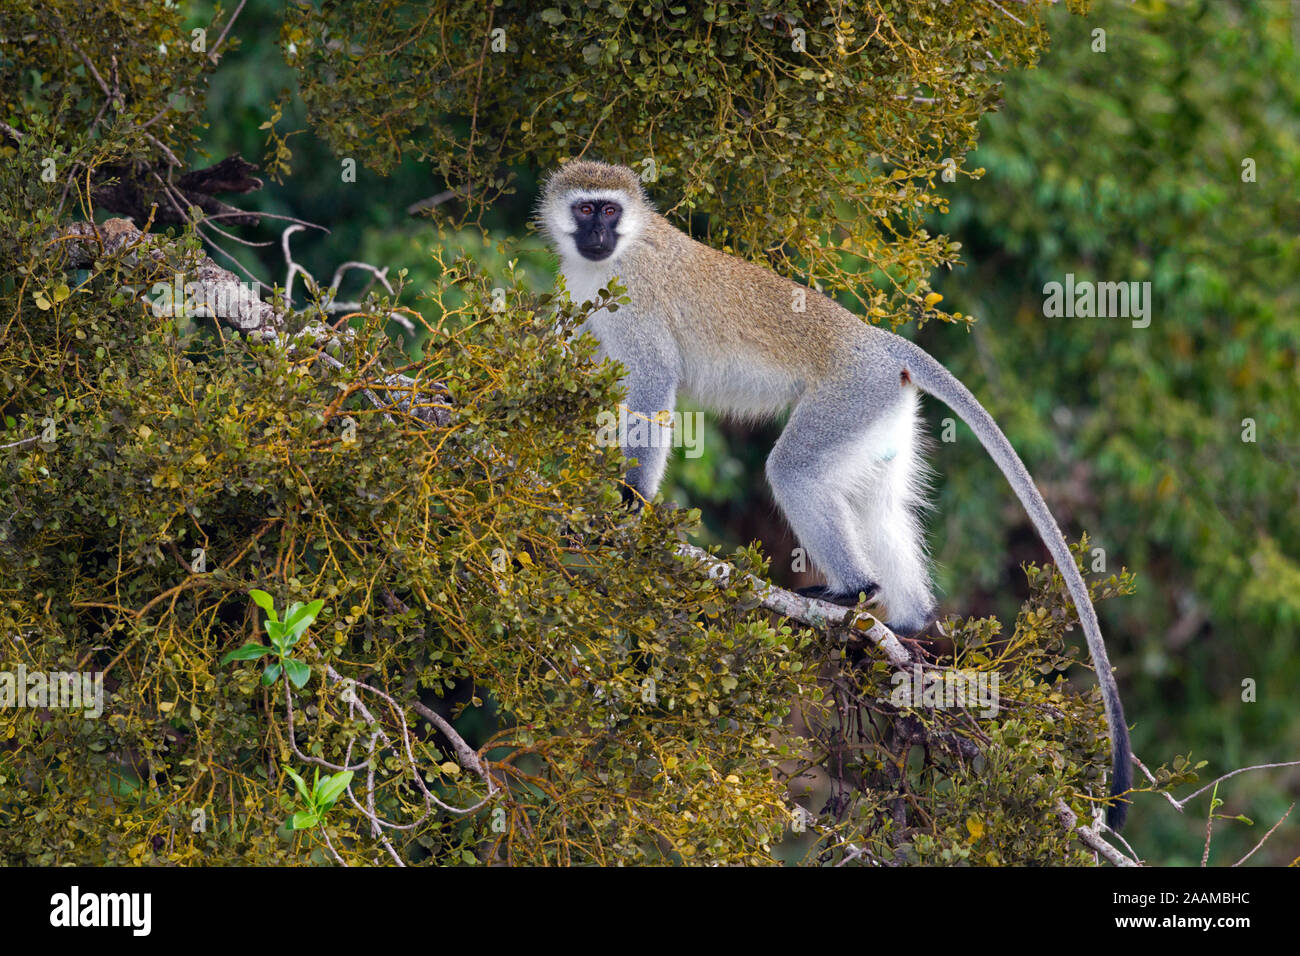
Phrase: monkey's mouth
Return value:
(596, 253)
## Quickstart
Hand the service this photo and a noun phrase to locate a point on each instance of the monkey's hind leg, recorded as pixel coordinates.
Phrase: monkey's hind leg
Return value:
(818, 508)
(889, 478)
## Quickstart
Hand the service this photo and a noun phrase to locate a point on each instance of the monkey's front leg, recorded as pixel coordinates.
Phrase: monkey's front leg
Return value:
(646, 433)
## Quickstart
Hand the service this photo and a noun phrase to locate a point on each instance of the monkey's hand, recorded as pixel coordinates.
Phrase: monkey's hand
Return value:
(632, 499)
(601, 531)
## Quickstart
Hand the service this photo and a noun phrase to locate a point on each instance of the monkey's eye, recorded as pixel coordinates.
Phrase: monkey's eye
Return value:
(611, 210)
(586, 209)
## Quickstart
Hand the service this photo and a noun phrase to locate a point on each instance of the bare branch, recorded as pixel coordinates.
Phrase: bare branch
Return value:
(1266, 836)
(292, 267)
(232, 302)
(212, 54)
(811, 611)
(1151, 777)
(1090, 838)
(431, 202)
(1261, 766)
(1006, 11)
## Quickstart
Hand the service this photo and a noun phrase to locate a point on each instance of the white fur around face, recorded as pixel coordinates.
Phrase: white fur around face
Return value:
(583, 277)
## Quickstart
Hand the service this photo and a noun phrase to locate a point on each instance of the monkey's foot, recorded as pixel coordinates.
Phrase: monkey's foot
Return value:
(842, 598)
(927, 629)
(929, 643)
(918, 650)
(632, 499)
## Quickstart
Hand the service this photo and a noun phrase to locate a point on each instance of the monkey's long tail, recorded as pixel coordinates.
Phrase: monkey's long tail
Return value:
(931, 377)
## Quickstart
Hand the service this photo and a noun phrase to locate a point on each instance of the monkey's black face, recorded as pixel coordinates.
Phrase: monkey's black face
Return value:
(596, 235)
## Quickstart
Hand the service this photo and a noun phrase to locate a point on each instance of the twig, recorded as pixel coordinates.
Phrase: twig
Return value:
(1007, 12)
(1209, 827)
(212, 54)
(380, 274)
(90, 67)
(464, 753)
(171, 157)
(401, 748)
(1151, 777)
(266, 215)
(1261, 766)
(430, 202)
(1266, 836)
(292, 267)
(326, 836)
(854, 852)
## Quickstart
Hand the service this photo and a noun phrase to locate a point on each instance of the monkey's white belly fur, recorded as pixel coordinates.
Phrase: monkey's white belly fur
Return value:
(743, 390)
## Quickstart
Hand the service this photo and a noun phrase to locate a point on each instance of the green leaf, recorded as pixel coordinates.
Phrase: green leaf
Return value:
(294, 634)
(305, 819)
(300, 784)
(271, 674)
(249, 652)
(297, 672)
(265, 602)
(328, 793)
(299, 618)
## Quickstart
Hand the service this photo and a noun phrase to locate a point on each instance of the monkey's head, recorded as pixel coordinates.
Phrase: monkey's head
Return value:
(591, 210)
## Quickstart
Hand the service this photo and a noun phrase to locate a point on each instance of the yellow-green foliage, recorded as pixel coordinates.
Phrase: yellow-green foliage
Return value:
(446, 558)
(810, 135)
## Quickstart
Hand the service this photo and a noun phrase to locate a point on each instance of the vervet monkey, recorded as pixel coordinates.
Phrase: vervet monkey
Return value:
(847, 471)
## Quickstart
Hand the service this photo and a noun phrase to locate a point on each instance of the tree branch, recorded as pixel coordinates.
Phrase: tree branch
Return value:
(233, 302)
(811, 611)
(1091, 838)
